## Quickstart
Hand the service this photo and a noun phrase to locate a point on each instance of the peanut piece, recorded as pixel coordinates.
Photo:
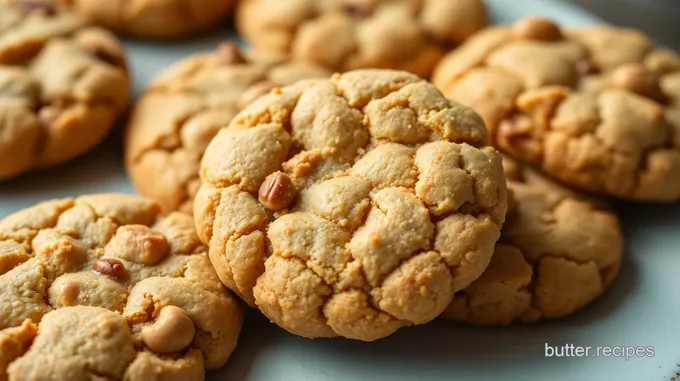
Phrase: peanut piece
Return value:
(139, 244)
(516, 127)
(171, 332)
(112, 268)
(358, 8)
(537, 28)
(49, 114)
(277, 191)
(104, 55)
(636, 78)
(69, 294)
(41, 6)
(512, 170)
(229, 53)
(586, 67)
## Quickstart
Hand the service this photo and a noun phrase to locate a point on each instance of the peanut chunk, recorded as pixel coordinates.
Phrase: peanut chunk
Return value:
(112, 268)
(139, 244)
(229, 54)
(171, 332)
(277, 191)
(636, 78)
(537, 28)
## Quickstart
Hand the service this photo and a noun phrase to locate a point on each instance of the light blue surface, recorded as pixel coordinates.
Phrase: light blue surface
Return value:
(640, 309)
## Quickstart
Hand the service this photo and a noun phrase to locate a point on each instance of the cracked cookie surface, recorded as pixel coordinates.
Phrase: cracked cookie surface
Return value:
(558, 251)
(106, 286)
(407, 35)
(596, 108)
(152, 18)
(351, 206)
(62, 85)
(182, 110)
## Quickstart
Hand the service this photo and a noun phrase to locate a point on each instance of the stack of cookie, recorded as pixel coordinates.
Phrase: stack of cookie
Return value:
(340, 205)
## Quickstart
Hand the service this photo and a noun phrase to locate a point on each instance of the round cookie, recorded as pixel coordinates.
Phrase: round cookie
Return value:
(351, 206)
(106, 286)
(152, 18)
(558, 251)
(62, 85)
(343, 35)
(182, 110)
(597, 108)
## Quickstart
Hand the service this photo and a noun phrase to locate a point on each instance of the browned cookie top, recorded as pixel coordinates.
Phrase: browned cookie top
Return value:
(351, 206)
(558, 251)
(184, 107)
(105, 286)
(597, 108)
(351, 34)
(152, 18)
(62, 85)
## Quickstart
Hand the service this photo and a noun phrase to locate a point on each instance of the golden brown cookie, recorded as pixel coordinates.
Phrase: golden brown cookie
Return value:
(351, 206)
(182, 110)
(558, 251)
(62, 85)
(152, 18)
(106, 286)
(597, 108)
(343, 35)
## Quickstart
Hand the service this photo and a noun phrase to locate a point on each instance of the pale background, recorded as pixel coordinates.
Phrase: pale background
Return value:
(659, 18)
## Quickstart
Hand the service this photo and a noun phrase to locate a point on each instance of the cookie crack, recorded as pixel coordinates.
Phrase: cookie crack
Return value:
(643, 163)
(371, 301)
(96, 220)
(567, 258)
(440, 259)
(384, 276)
(396, 86)
(100, 374)
(474, 209)
(33, 232)
(612, 152)
(173, 136)
(324, 298)
(453, 268)
(233, 238)
(293, 30)
(540, 138)
(186, 197)
(245, 231)
(214, 214)
(531, 287)
(144, 316)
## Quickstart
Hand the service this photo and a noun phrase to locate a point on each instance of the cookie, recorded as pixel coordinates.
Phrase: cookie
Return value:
(182, 110)
(596, 108)
(152, 18)
(351, 206)
(342, 35)
(62, 85)
(106, 286)
(558, 251)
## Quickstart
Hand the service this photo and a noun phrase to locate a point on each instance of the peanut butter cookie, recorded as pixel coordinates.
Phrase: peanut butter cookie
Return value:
(62, 85)
(182, 110)
(351, 206)
(597, 108)
(152, 18)
(558, 251)
(343, 35)
(103, 286)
